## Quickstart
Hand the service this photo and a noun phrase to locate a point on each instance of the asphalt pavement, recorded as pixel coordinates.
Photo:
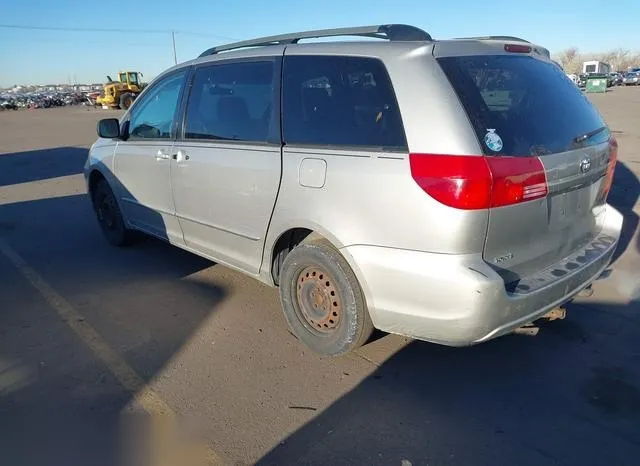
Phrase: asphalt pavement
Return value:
(96, 341)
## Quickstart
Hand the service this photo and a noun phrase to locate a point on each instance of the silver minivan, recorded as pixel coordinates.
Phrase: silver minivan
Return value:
(447, 190)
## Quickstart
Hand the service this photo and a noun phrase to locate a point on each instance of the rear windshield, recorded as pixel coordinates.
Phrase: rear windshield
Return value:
(521, 106)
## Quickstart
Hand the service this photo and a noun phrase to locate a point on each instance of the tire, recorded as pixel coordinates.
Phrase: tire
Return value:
(125, 101)
(322, 300)
(109, 215)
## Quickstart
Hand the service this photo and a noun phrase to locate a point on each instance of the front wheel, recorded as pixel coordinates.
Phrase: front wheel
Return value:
(322, 299)
(109, 215)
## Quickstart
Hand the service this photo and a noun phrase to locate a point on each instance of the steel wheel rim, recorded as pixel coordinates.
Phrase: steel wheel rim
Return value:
(318, 299)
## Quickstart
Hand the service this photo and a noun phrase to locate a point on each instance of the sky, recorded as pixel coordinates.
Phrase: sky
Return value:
(50, 53)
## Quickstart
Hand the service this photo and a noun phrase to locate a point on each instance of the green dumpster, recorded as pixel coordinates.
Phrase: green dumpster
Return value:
(596, 84)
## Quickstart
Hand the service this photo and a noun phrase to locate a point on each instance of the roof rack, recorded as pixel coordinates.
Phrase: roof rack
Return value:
(518, 39)
(392, 32)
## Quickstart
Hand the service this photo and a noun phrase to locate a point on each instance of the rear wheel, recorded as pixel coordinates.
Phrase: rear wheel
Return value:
(322, 299)
(125, 101)
(109, 215)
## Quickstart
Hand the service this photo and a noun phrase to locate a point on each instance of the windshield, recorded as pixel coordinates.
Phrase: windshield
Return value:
(522, 106)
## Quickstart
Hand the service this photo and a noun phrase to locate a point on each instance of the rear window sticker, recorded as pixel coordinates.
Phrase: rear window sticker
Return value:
(493, 140)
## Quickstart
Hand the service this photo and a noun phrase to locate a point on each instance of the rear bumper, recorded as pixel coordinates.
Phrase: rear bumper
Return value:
(460, 300)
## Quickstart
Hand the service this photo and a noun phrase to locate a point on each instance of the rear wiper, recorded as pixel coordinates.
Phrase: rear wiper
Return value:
(589, 135)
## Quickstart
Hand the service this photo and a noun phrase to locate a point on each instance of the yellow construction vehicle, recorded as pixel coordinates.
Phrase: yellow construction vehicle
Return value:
(121, 93)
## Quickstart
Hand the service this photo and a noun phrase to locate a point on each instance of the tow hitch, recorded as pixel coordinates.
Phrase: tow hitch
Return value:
(557, 313)
(586, 292)
(530, 329)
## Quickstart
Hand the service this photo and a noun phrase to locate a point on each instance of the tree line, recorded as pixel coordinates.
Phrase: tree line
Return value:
(571, 59)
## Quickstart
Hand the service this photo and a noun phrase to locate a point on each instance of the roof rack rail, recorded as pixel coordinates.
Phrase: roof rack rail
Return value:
(392, 32)
(518, 39)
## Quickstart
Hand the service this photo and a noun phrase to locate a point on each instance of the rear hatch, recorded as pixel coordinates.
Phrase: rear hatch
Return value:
(524, 109)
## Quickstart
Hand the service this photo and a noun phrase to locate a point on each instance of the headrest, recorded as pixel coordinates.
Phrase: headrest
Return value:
(232, 108)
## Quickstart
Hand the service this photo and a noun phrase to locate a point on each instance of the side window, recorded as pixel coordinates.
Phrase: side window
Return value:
(152, 118)
(231, 101)
(345, 101)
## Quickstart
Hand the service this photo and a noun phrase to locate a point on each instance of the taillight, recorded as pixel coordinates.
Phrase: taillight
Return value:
(460, 181)
(472, 182)
(611, 167)
(516, 179)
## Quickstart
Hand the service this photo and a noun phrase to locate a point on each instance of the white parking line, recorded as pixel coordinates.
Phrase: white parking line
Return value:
(145, 397)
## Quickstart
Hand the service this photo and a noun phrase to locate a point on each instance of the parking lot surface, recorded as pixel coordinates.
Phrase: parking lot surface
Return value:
(89, 332)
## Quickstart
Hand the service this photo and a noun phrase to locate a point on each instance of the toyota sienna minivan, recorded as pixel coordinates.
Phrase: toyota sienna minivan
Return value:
(447, 190)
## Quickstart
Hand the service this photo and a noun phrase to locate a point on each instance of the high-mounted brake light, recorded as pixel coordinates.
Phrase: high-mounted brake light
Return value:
(517, 48)
(471, 182)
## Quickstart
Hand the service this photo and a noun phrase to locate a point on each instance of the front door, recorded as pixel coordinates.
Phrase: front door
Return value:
(143, 160)
(226, 173)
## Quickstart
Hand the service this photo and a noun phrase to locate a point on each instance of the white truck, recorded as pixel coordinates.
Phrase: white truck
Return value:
(596, 66)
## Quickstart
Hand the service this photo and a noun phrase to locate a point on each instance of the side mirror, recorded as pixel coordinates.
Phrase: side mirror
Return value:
(109, 128)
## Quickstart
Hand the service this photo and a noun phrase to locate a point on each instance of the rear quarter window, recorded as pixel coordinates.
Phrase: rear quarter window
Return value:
(530, 104)
(340, 101)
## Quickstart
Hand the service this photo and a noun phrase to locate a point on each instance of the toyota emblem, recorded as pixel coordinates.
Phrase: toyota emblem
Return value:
(585, 165)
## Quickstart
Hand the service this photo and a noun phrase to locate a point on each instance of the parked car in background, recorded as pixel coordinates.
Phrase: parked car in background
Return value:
(8, 105)
(631, 79)
(34, 100)
(446, 190)
(573, 78)
(616, 78)
(582, 80)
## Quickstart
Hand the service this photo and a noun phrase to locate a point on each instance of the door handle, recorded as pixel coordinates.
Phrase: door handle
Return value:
(162, 155)
(180, 156)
